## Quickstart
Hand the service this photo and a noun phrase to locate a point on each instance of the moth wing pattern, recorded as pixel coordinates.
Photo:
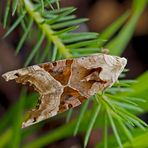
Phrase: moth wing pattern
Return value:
(65, 84)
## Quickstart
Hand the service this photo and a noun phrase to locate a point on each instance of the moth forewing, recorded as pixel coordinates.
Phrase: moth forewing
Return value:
(65, 84)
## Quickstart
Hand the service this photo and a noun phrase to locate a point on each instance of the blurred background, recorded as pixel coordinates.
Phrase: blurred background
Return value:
(101, 13)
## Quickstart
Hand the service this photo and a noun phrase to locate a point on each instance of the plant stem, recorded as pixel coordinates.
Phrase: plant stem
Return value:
(46, 28)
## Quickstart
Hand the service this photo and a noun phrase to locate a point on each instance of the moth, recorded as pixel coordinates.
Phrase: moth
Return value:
(65, 84)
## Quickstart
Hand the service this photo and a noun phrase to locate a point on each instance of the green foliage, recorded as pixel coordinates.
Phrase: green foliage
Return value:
(127, 31)
(24, 37)
(35, 49)
(19, 19)
(80, 117)
(6, 14)
(92, 121)
(117, 107)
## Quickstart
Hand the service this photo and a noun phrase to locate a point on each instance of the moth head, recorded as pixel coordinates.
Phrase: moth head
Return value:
(114, 67)
(115, 61)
